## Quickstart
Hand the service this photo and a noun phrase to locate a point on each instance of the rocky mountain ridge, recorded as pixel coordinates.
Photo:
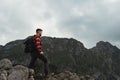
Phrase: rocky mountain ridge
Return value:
(102, 61)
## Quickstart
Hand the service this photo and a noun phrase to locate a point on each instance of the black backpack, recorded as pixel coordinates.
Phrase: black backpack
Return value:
(29, 45)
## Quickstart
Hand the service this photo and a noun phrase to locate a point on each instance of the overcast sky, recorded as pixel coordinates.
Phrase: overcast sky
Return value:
(88, 21)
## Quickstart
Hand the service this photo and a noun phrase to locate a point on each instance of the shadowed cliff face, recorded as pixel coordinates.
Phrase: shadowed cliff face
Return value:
(110, 55)
(63, 54)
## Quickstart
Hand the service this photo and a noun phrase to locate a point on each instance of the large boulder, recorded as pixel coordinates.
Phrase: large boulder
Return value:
(5, 64)
(19, 73)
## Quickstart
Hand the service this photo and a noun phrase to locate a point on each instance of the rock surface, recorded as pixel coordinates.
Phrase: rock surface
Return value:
(5, 64)
(20, 72)
(10, 72)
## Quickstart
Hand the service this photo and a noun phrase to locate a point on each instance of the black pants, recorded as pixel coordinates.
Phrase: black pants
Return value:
(34, 57)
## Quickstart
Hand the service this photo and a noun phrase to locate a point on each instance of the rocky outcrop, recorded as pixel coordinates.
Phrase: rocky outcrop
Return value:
(18, 72)
(5, 64)
(67, 75)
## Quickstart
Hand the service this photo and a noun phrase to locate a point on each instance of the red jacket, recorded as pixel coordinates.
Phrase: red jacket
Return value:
(37, 40)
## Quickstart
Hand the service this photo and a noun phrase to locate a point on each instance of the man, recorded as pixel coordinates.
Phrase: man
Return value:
(38, 53)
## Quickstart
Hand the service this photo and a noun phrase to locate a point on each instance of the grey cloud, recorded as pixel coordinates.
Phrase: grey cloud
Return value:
(87, 20)
(100, 21)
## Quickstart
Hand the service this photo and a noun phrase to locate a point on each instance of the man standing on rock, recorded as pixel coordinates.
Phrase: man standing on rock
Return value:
(37, 52)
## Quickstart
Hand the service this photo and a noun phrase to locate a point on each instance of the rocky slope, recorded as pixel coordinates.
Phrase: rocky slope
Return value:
(101, 61)
(19, 72)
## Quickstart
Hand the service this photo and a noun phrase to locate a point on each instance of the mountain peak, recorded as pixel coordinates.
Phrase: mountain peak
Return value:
(103, 43)
(104, 46)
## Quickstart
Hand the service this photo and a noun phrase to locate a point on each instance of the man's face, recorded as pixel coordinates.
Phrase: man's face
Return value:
(39, 32)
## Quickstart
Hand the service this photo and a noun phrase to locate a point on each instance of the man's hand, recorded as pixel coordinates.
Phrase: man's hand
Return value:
(42, 52)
